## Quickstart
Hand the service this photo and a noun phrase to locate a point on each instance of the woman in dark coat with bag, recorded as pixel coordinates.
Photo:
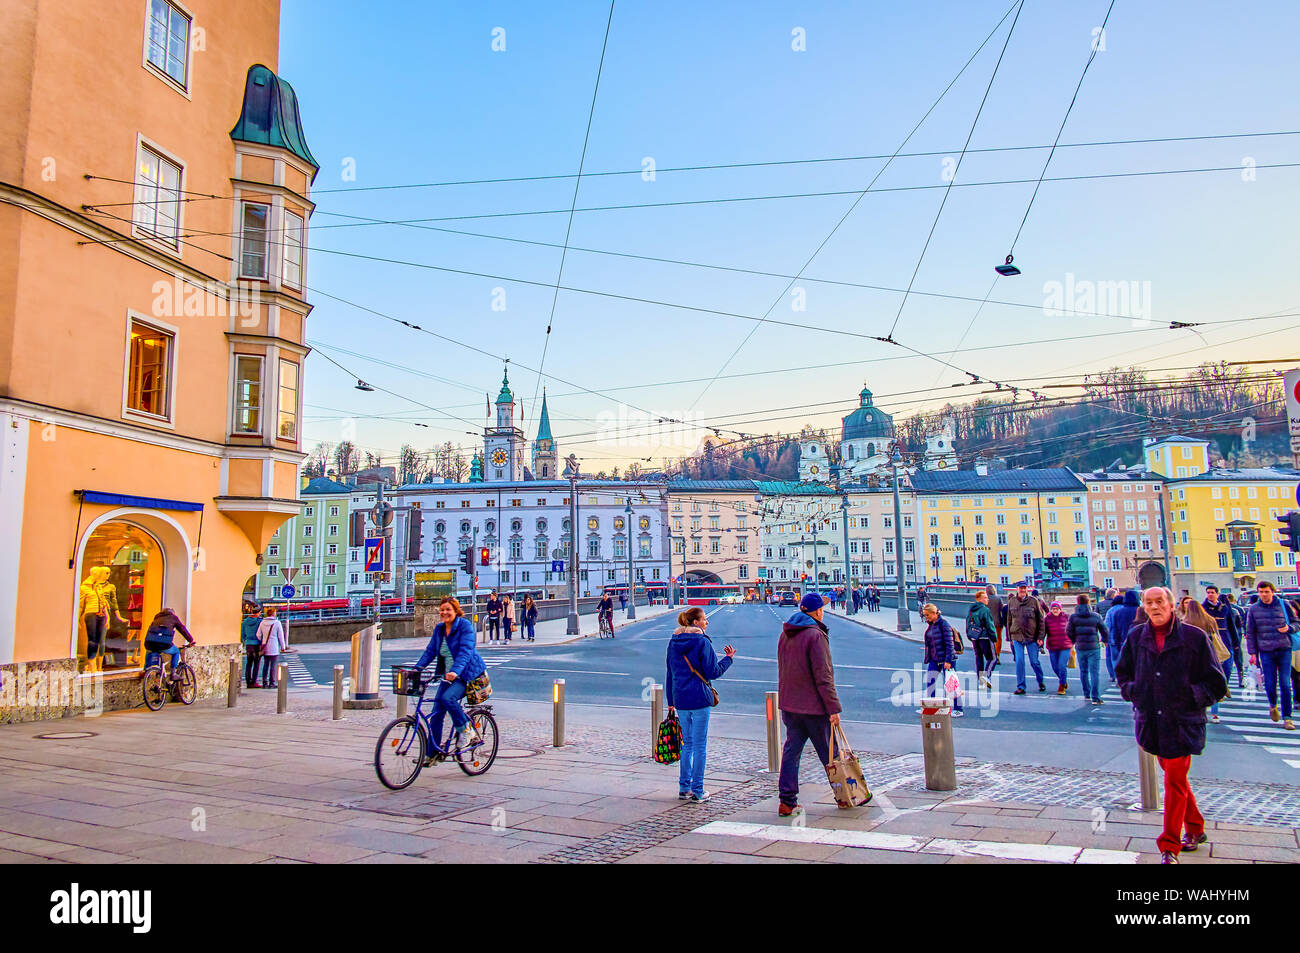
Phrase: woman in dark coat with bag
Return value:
(1168, 672)
(940, 652)
(692, 663)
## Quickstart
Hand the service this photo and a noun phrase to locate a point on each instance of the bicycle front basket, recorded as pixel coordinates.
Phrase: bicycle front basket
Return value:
(406, 680)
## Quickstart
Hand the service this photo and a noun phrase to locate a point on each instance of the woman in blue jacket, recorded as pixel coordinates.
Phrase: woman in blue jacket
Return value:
(691, 661)
(940, 652)
(465, 666)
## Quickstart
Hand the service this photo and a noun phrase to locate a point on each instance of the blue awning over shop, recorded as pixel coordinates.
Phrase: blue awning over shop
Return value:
(142, 502)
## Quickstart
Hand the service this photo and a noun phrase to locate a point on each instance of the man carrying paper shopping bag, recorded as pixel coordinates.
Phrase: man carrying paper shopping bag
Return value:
(806, 694)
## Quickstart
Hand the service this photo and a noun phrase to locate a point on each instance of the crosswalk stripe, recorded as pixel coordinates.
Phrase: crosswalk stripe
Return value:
(1261, 739)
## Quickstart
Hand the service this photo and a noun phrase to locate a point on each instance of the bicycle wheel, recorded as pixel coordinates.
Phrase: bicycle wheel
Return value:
(399, 753)
(186, 688)
(478, 759)
(155, 695)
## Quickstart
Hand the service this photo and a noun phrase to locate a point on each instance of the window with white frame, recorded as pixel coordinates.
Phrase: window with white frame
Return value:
(248, 394)
(149, 370)
(167, 41)
(288, 426)
(158, 197)
(255, 219)
(294, 227)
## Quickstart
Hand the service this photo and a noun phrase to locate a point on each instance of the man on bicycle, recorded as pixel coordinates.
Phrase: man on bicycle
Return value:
(605, 613)
(160, 637)
(466, 665)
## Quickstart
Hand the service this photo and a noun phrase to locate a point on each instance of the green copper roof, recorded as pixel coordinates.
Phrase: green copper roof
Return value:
(476, 469)
(505, 397)
(544, 427)
(270, 115)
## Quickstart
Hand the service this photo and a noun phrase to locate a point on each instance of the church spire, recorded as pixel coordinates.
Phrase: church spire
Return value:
(544, 425)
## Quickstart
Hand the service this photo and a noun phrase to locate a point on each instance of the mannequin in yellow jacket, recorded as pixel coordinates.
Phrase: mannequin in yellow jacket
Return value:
(97, 605)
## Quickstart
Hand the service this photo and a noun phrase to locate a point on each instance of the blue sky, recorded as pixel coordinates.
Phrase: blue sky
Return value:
(414, 93)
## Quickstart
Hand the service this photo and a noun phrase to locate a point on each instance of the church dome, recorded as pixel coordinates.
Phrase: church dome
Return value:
(867, 421)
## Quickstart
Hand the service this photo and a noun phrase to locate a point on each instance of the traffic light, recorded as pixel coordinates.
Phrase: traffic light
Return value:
(485, 556)
(467, 561)
(1290, 531)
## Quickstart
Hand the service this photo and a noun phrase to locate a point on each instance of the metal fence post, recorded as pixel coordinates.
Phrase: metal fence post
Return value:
(557, 713)
(282, 690)
(232, 689)
(338, 692)
(773, 733)
(656, 715)
(1149, 780)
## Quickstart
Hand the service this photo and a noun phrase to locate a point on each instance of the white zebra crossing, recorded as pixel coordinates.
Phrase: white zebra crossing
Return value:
(1248, 719)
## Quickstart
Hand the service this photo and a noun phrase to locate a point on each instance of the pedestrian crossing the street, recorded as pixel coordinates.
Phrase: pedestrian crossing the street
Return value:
(1245, 714)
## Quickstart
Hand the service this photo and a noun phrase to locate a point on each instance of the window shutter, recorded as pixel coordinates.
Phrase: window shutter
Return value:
(357, 536)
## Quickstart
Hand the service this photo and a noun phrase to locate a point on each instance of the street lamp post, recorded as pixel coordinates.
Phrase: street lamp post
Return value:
(631, 582)
(571, 472)
(904, 620)
(849, 606)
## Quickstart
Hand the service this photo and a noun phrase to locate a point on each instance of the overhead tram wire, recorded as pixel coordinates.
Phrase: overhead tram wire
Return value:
(1059, 130)
(847, 212)
(1095, 47)
(577, 182)
(1082, 177)
(956, 170)
(201, 196)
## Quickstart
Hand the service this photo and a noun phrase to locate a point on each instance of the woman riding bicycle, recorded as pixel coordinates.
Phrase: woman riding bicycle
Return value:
(466, 665)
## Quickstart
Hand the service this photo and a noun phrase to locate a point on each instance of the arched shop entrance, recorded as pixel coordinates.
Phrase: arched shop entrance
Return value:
(129, 565)
(1151, 574)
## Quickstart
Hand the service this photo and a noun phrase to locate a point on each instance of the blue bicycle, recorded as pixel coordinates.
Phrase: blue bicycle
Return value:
(405, 746)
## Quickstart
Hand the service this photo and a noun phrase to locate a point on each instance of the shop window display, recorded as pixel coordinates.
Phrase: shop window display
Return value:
(120, 591)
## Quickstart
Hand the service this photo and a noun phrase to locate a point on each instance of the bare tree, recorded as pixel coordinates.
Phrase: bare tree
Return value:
(410, 464)
(346, 458)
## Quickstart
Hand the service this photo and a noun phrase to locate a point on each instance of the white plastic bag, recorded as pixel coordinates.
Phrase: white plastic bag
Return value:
(952, 684)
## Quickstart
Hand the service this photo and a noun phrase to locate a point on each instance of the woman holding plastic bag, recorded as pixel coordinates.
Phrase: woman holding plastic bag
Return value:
(941, 657)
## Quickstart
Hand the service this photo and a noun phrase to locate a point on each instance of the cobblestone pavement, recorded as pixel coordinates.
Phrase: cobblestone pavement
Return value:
(251, 787)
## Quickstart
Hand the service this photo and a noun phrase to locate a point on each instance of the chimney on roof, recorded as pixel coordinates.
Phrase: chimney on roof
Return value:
(982, 469)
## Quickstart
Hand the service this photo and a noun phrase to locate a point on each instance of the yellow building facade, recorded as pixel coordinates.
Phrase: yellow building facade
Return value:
(1222, 523)
(152, 269)
(992, 526)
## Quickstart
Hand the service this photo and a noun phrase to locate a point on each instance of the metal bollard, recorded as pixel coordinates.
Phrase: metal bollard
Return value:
(936, 745)
(773, 733)
(1149, 780)
(232, 689)
(282, 690)
(338, 692)
(656, 715)
(401, 706)
(557, 713)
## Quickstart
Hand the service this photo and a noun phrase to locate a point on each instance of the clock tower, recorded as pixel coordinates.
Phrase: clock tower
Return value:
(503, 445)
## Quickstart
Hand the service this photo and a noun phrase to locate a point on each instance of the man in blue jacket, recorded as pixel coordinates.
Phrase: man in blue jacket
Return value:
(465, 666)
(1118, 621)
(692, 664)
(1229, 630)
(1268, 640)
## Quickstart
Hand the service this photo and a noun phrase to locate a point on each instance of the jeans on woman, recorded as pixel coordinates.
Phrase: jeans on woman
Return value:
(532, 634)
(695, 749)
(254, 660)
(1060, 659)
(1090, 672)
(269, 663)
(1277, 668)
(447, 702)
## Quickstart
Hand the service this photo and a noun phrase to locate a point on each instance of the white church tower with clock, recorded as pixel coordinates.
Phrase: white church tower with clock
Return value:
(503, 445)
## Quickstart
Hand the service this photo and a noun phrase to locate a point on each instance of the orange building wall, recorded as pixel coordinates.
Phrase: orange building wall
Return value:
(78, 460)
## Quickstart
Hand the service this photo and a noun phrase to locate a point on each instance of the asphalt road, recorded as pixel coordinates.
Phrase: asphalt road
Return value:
(878, 677)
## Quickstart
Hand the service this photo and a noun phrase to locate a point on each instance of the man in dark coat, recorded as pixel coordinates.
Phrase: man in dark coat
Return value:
(1229, 629)
(1118, 621)
(1168, 671)
(806, 694)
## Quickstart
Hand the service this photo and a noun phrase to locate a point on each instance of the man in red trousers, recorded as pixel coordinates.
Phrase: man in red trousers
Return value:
(1168, 670)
